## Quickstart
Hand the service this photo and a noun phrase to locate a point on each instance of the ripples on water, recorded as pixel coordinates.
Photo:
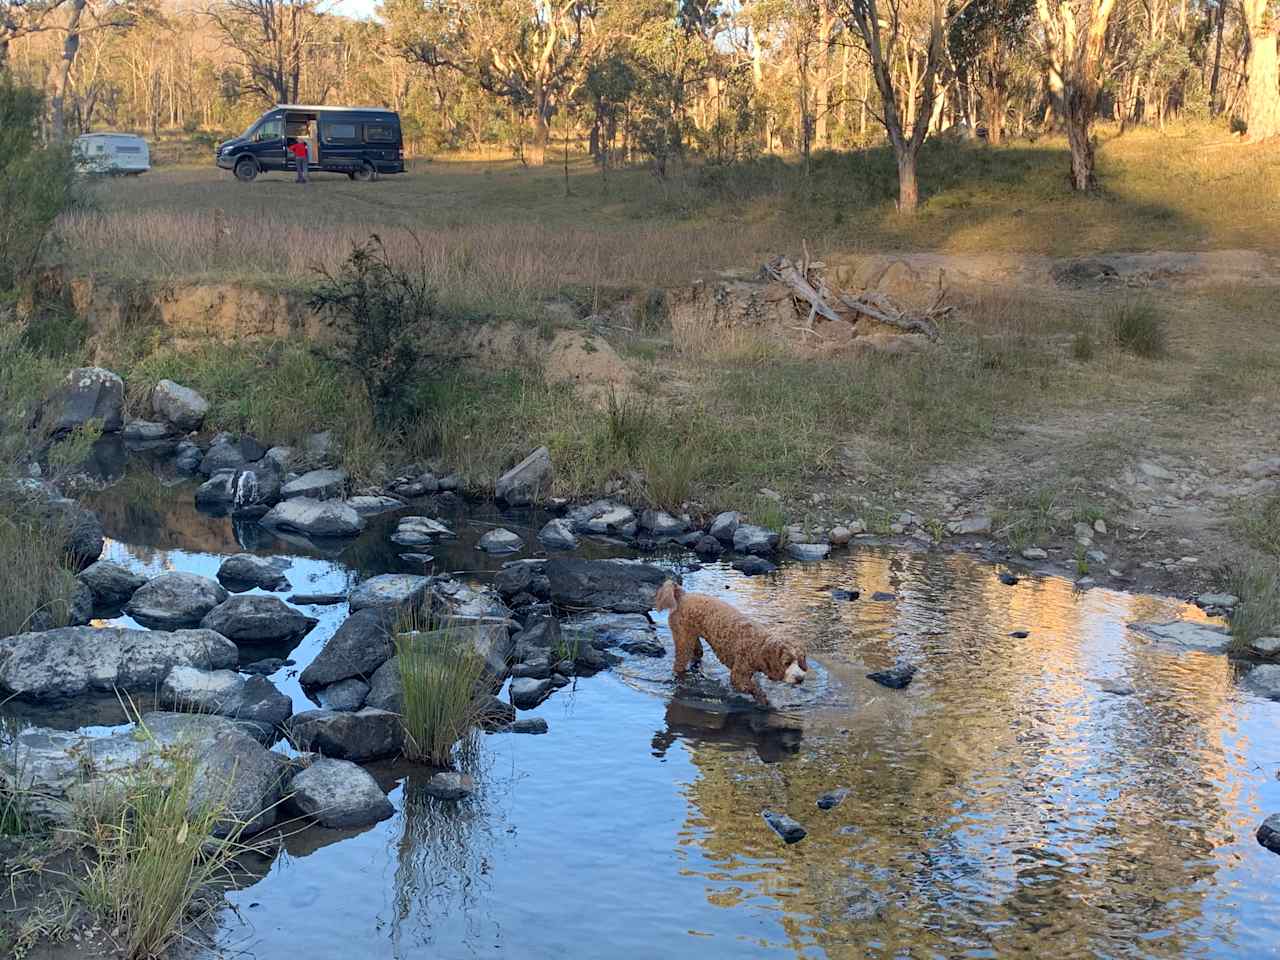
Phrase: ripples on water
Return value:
(1005, 804)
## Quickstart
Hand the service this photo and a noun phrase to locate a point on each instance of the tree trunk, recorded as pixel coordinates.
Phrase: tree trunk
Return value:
(1077, 124)
(908, 188)
(537, 153)
(1262, 109)
(1215, 102)
(62, 74)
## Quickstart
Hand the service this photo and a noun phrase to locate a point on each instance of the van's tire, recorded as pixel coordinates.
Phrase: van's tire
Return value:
(364, 173)
(350, 175)
(246, 170)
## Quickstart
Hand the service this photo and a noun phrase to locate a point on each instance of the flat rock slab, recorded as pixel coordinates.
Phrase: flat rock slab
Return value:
(808, 552)
(1186, 635)
(371, 506)
(558, 534)
(73, 661)
(338, 794)
(316, 484)
(314, 518)
(602, 584)
(420, 532)
(389, 591)
(226, 693)
(244, 571)
(788, 829)
(363, 735)
(174, 600)
(253, 618)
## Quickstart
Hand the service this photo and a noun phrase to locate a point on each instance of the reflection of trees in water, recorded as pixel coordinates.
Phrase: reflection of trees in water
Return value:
(443, 860)
(1003, 803)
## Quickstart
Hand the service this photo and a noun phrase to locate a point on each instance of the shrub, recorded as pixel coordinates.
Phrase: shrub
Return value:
(155, 857)
(37, 183)
(383, 314)
(1139, 328)
(439, 673)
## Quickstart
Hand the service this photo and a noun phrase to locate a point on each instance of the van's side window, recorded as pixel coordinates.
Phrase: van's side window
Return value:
(334, 132)
(379, 133)
(271, 130)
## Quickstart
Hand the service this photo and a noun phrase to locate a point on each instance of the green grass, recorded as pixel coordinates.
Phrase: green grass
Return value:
(440, 674)
(154, 856)
(1257, 614)
(1139, 328)
(33, 570)
(1258, 523)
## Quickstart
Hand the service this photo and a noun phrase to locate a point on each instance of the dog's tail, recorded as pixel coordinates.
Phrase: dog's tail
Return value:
(669, 596)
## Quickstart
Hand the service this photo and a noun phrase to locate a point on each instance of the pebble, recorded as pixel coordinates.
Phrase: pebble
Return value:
(450, 786)
(895, 678)
(1008, 579)
(832, 798)
(1035, 553)
(754, 566)
(845, 595)
(880, 596)
(1020, 634)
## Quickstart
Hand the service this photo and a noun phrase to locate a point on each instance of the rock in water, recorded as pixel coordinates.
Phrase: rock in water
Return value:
(808, 552)
(534, 725)
(603, 584)
(1269, 833)
(175, 600)
(363, 735)
(73, 661)
(244, 571)
(845, 596)
(180, 406)
(754, 566)
(972, 526)
(1020, 634)
(708, 547)
(224, 692)
(785, 827)
(252, 618)
(88, 393)
(316, 484)
(895, 678)
(1265, 679)
(315, 518)
(526, 692)
(339, 794)
(527, 481)
(448, 785)
(1007, 578)
(725, 525)
(1186, 635)
(111, 584)
(832, 798)
(748, 538)
(558, 535)
(359, 647)
(500, 541)
(389, 591)
(348, 694)
(661, 523)
(880, 596)
(420, 531)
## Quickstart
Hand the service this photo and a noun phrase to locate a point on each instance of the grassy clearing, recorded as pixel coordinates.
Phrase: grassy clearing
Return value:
(501, 237)
(154, 858)
(440, 674)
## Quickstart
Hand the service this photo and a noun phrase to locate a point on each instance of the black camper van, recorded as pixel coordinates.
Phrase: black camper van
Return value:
(361, 142)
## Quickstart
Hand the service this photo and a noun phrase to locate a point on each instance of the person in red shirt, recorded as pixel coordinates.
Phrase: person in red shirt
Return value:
(299, 150)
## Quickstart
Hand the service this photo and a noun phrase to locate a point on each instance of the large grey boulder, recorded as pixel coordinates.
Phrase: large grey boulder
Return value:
(363, 735)
(526, 482)
(255, 486)
(84, 537)
(72, 661)
(244, 571)
(224, 454)
(1265, 679)
(88, 393)
(315, 518)
(111, 583)
(662, 524)
(359, 647)
(1269, 833)
(316, 484)
(339, 794)
(725, 525)
(145, 434)
(386, 692)
(226, 693)
(178, 405)
(253, 618)
(348, 694)
(371, 506)
(389, 591)
(602, 584)
(526, 692)
(558, 535)
(174, 600)
(808, 551)
(232, 770)
(218, 491)
(748, 538)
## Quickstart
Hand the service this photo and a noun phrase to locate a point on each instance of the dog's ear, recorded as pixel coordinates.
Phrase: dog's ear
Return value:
(668, 597)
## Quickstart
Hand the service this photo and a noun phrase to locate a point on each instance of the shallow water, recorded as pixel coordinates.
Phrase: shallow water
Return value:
(1007, 803)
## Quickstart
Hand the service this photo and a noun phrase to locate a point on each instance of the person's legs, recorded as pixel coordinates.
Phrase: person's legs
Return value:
(302, 169)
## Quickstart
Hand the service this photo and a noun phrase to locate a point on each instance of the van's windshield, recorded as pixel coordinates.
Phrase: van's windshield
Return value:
(248, 131)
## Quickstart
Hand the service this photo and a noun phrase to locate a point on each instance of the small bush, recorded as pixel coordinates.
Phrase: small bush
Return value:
(155, 856)
(384, 315)
(1082, 347)
(439, 673)
(1139, 328)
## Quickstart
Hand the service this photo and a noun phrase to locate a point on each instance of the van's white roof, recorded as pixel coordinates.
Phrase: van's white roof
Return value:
(108, 136)
(315, 108)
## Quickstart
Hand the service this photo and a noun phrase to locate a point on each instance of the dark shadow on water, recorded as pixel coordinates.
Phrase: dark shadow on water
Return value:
(773, 736)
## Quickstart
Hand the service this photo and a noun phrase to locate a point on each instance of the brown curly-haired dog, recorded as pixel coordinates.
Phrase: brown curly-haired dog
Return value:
(741, 645)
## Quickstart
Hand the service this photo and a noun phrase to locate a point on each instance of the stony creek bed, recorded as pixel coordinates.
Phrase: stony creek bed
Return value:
(1052, 782)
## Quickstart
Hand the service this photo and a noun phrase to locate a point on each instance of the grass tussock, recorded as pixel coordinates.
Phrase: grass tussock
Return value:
(1258, 523)
(154, 856)
(38, 585)
(1257, 612)
(1138, 327)
(440, 674)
